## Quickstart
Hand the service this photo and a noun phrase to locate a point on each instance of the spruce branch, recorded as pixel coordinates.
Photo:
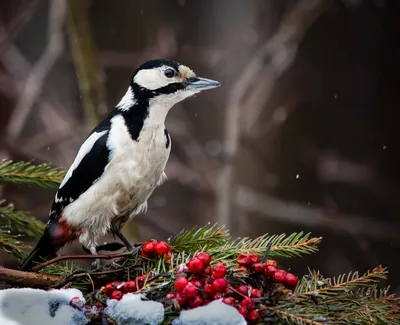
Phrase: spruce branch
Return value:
(293, 245)
(315, 284)
(207, 237)
(19, 222)
(10, 244)
(24, 172)
(292, 319)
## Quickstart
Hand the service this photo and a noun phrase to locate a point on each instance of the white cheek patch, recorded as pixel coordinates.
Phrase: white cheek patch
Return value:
(153, 79)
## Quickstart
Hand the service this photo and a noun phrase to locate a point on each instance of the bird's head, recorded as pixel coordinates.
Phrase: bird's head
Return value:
(166, 82)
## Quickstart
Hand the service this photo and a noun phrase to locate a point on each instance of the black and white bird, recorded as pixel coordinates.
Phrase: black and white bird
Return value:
(121, 162)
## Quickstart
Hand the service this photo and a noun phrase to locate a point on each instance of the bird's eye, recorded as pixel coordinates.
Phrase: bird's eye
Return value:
(169, 73)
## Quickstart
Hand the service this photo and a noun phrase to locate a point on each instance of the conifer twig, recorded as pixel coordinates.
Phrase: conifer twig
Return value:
(10, 245)
(24, 172)
(283, 245)
(20, 222)
(290, 318)
(315, 284)
(199, 238)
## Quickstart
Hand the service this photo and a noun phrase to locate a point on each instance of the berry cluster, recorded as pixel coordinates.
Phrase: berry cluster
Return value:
(197, 283)
(269, 269)
(153, 248)
(116, 290)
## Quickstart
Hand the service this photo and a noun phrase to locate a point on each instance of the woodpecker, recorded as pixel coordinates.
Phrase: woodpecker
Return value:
(120, 163)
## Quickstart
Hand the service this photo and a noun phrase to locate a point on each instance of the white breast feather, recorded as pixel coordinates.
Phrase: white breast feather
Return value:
(134, 171)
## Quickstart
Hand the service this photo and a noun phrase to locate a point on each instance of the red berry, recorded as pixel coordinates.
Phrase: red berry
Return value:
(255, 293)
(219, 285)
(196, 283)
(243, 311)
(229, 301)
(270, 271)
(74, 299)
(253, 315)
(77, 303)
(197, 301)
(117, 295)
(209, 290)
(149, 247)
(205, 258)
(258, 268)
(219, 270)
(180, 284)
(162, 248)
(141, 280)
(189, 291)
(196, 266)
(99, 306)
(247, 303)
(290, 281)
(130, 286)
(244, 260)
(272, 263)
(207, 270)
(255, 258)
(170, 295)
(115, 284)
(279, 276)
(244, 290)
(181, 301)
(108, 289)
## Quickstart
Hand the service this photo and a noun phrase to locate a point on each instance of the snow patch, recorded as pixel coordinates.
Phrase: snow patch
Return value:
(215, 313)
(131, 309)
(32, 306)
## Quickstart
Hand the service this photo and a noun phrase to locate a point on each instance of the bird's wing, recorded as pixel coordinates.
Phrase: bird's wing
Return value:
(88, 166)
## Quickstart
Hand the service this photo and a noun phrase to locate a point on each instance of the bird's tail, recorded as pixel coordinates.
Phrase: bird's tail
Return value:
(44, 249)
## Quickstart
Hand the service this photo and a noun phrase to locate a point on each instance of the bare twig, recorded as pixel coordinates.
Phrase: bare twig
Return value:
(27, 279)
(35, 80)
(280, 51)
(80, 257)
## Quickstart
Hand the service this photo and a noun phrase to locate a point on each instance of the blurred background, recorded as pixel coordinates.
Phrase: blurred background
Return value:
(302, 135)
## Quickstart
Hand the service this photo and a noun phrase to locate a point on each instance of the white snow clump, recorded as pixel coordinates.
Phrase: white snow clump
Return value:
(215, 313)
(131, 309)
(33, 306)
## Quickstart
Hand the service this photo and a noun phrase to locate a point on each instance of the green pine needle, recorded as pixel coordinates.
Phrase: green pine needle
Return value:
(10, 244)
(315, 284)
(196, 239)
(294, 245)
(24, 172)
(19, 222)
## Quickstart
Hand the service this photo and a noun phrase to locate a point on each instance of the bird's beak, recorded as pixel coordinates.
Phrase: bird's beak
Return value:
(202, 83)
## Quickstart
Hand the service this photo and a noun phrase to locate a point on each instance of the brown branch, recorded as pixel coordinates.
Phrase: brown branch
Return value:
(80, 257)
(27, 279)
